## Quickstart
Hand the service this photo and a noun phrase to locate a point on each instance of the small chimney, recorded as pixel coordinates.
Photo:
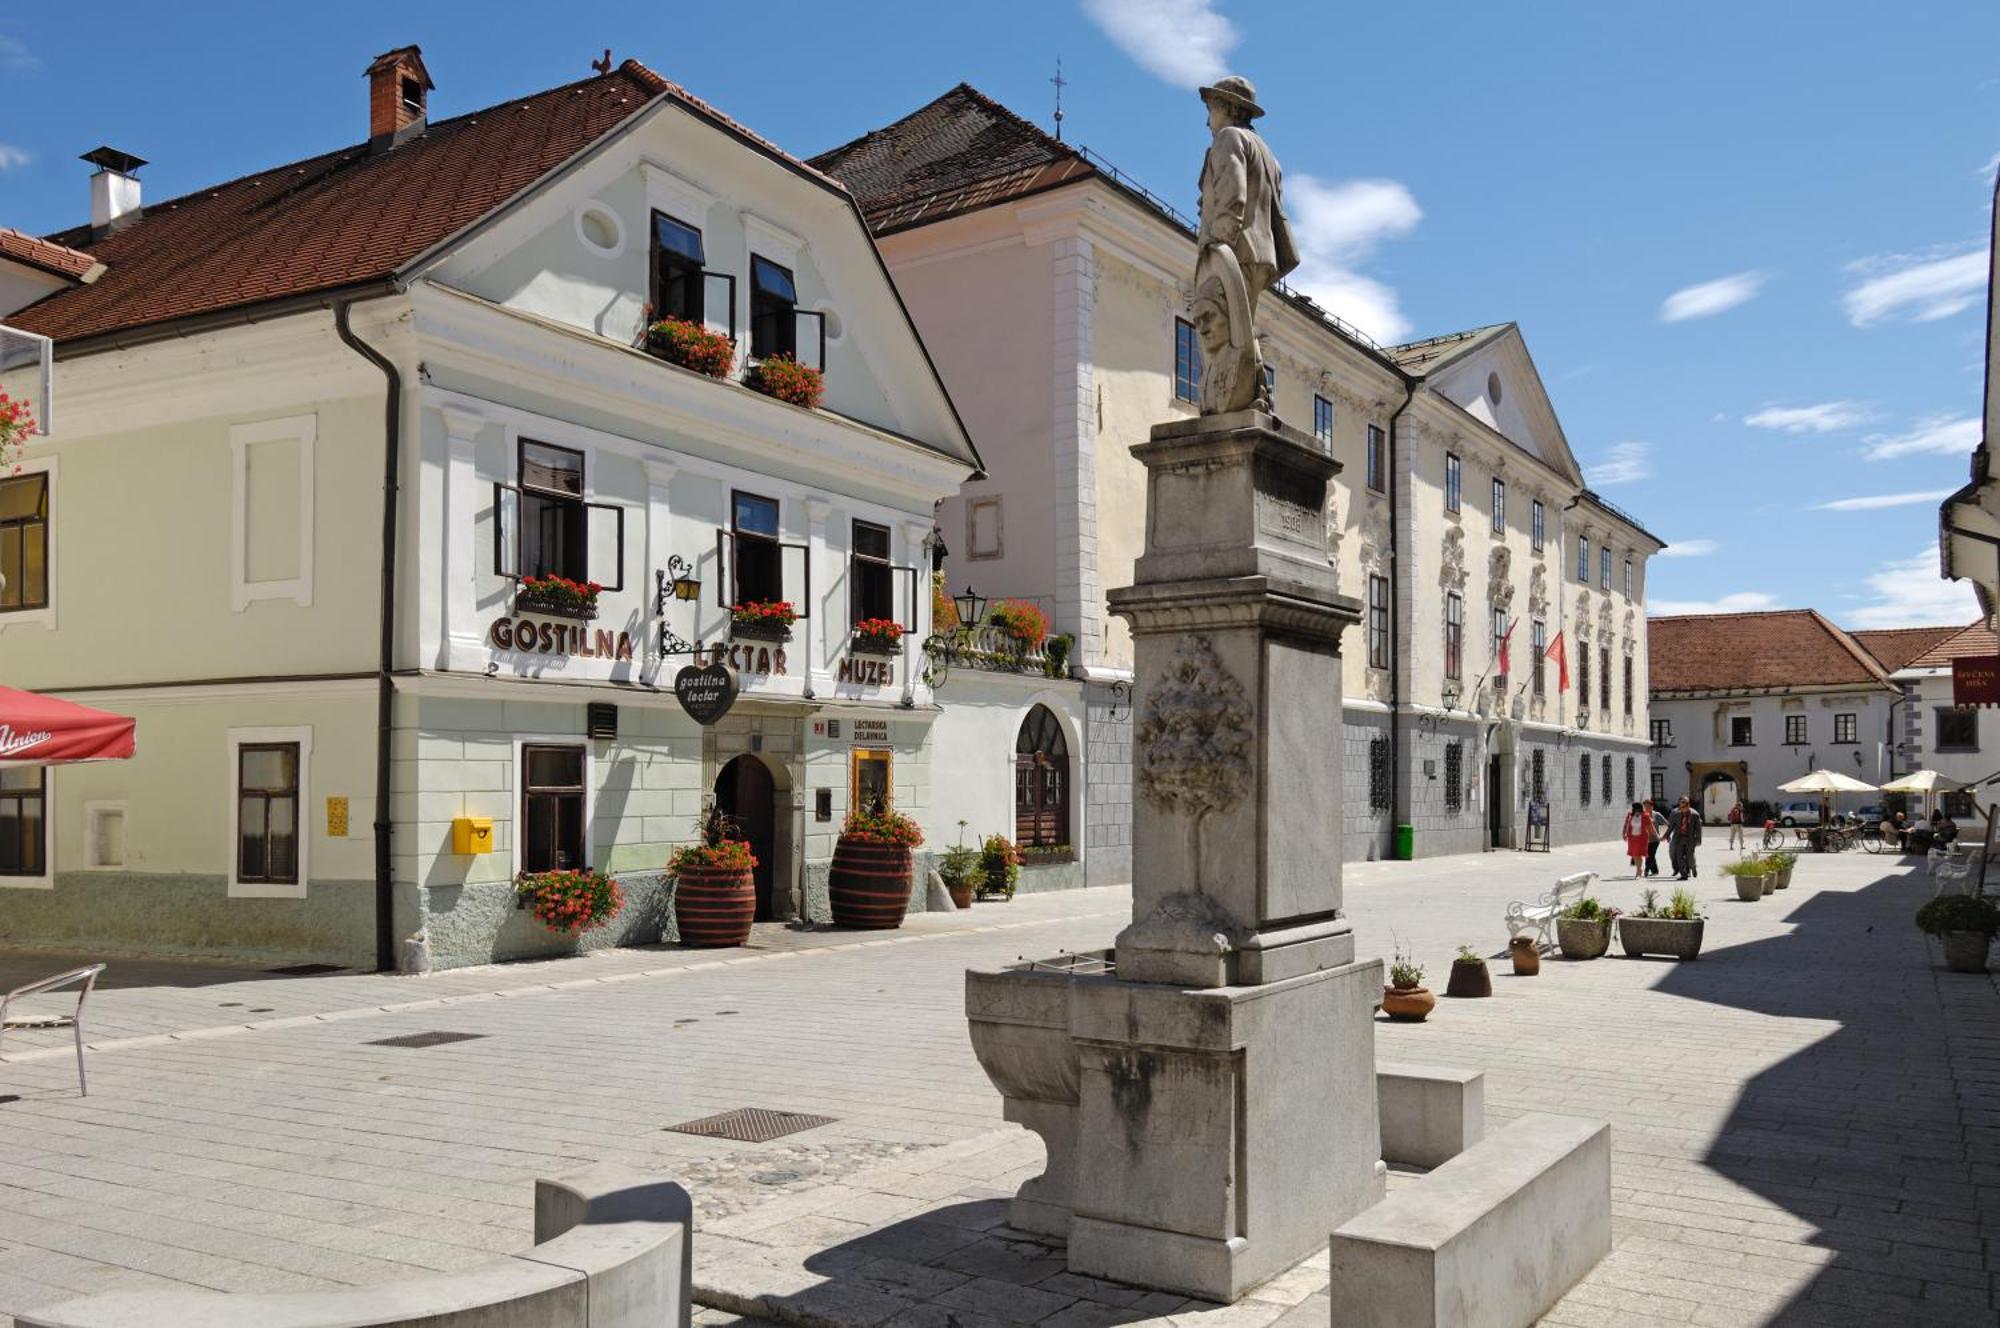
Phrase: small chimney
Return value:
(114, 189)
(398, 91)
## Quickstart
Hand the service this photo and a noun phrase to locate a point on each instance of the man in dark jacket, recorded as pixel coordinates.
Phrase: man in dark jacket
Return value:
(1683, 833)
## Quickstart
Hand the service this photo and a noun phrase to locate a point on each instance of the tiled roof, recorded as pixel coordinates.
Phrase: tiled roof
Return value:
(1977, 639)
(1433, 353)
(345, 218)
(960, 153)
(44, 254)
(1724, 652)
(1896, 647)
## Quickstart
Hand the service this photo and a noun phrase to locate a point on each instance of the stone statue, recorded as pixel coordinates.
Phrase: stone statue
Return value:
(1245, 244)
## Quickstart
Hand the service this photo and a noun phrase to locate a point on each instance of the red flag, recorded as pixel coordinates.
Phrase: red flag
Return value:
(1560, 654)
(1505, 637)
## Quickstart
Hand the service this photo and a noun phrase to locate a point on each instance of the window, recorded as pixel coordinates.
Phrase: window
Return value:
(1628, 576)
(267, 813)
(1958, 804)
(1378, 464)
(553, 520)
(1454, 636)
(1538, 786)
(1322, 419)
(552, 808)
(1659, 786)
(678, 259)
(1187, 362)
(24, 838)
(1604, 567)
(1538, 641)
(1583, 778)
(1499, 506)
(983, 529)
(1957, 729)
(1631, 780)
(1604, 686)
(1628, 687)
(1605, 787)
(1453, 477)
(1583, 560)
(758, 572)
(1041, 782)
(1454, 776)
(1739, 731)
(1795, 730)
(1378, 774)
(1537, 524)
(1378, 622)
(24, 542)
(870, 787)
(1582, 680)
(413, 96)
(874, 584)
(1663, 733)
(1844, 729)
(1500, 660)
(774, 302)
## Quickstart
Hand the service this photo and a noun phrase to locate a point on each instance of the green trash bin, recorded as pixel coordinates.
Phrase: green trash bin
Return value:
(1406, 842)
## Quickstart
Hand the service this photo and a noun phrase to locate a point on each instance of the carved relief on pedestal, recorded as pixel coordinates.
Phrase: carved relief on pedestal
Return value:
(1193, 748)
(1451, 570)
(1499, 585)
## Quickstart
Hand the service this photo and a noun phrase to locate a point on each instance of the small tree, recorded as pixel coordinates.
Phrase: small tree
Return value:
(1194, 744)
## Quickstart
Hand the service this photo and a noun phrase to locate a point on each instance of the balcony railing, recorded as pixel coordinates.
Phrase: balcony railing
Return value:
(993, 650)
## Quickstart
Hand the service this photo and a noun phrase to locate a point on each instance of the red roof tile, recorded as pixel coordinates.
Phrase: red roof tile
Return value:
(1895, 647)
(1721, 652)
(44, 254)
(1977, 639)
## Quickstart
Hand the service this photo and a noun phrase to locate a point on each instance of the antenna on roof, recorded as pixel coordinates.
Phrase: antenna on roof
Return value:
(1060, 83)
(603, 66)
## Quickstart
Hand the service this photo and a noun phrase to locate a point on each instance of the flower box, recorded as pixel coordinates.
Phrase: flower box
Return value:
(763, 620)
(570, 901)
(878, 636)
(691, 346)
(1675, 937)
(785, 378)
(557, 597)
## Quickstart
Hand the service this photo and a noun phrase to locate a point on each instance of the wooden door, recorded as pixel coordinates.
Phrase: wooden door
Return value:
(745, 793)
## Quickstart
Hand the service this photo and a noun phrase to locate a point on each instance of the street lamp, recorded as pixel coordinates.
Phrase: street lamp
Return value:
(685, 587)
(971, 607)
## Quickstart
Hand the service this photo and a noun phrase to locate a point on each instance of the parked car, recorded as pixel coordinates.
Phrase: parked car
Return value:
(1803, 812)
(1873, 813)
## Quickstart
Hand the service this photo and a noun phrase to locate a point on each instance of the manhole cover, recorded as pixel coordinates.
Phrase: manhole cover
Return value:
(430, 1039)
(306, 970)
(751, 1125)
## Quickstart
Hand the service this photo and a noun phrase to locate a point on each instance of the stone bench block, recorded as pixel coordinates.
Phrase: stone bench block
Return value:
(1491, 1239)
(1430, 1113)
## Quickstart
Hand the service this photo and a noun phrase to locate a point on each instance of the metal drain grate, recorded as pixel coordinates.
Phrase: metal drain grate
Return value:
(751, 1125)
(430, 1039)
(306, 970)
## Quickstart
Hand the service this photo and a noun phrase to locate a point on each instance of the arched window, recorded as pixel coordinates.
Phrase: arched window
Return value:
(1041, 782)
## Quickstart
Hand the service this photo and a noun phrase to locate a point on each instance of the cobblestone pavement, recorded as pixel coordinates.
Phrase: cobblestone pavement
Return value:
(1803, 1120)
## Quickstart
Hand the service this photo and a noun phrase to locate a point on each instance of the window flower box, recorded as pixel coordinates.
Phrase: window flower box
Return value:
(1023, 624)
(570, 902)
(691, 346)
(763, 620)
(785, 378)
(878, 636)
(557, 597)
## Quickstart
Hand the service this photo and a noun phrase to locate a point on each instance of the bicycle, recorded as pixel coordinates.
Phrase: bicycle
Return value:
(1773, 837)
(1875, 841)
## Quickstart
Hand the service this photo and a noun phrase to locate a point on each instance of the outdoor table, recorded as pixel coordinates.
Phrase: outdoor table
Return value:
(1919, 840)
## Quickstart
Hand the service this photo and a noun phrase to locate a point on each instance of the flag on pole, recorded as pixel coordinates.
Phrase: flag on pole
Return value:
(1506, 636)
(1560, 654)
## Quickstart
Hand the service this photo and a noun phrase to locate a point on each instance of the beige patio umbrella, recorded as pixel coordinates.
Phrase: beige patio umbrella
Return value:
(1827, 782)
(1926, 782)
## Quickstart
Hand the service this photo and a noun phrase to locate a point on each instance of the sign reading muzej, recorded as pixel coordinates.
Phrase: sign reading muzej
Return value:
(1975, 680)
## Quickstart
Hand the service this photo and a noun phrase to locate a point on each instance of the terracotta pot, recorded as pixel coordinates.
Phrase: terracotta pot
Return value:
(1583, 938)
(961, 895)
(1469, 979)
(1527, 959)
(1409, 1004)
(714, 905)
(868, 884)
(1965, 951)
(1749, 888)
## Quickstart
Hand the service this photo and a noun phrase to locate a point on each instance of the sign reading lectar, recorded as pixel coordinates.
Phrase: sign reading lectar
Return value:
(706, 692)
(1975, 680)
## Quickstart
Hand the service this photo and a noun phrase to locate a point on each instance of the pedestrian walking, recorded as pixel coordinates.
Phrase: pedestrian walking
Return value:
(1656, 830)
(1638, 833)
(1736, 825)
(1683, 833)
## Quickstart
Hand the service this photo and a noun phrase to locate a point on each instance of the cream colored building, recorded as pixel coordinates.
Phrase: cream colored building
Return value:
(1053, 294)
(314, 427)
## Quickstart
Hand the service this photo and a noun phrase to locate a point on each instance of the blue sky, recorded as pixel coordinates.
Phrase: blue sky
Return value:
(1745, 241)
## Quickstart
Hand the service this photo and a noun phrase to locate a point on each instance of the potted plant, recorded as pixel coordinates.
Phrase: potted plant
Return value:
(1781, 878)
(868, 884)
(763, 619)
(1673, 928)
(785, 378)
(1405, 998)
(715, 895)
(1527, 959)
(691, 346)
(1023, 624)
(959, 869)
(1055, 655)
(557, 597)
(1583, 930)
(569, 901)
(1964, 924)
(17, 422)
(1468, 974)
(999, 867)
(1753, 877)
(878, 636)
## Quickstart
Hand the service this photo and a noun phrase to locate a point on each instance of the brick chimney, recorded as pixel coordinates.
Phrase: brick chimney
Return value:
(398, 90)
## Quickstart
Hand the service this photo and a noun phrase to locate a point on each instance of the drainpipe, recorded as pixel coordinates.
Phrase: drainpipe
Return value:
(385, 687)
(1399, 788)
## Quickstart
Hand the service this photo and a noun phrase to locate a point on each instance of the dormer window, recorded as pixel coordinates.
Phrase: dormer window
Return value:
(413, 97)
(774, 300)
(678, 259)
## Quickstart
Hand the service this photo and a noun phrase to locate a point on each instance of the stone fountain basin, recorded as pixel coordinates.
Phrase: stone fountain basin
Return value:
(1018, 1017)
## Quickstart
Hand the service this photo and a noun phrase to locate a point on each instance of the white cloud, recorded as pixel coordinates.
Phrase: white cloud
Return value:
(11, 156)
(16, 58)
(1909, 592)
(1876, 501)
(1708, 298)
(1625, 463)
(1826, 417)
(1696, 548)
(1743, 601)
(1919, 290)
(1182, 42)
(1992, 165)
(1934, 435)
(1338, 225)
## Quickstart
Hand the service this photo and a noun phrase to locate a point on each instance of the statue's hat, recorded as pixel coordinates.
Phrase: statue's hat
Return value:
(1237, 91)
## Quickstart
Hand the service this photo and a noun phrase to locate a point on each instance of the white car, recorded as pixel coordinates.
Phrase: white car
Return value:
(1796, 813)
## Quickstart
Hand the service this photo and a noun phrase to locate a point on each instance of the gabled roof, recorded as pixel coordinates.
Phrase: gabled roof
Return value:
(348, 217)
(1420, 358)
(1896, 647)
(1977, 639)
(44, 255)
(1787, 649)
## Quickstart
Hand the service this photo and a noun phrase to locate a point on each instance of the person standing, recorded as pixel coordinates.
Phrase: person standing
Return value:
(1638, 835)
(1656, 828)
(1736, 825)
(1683, 833)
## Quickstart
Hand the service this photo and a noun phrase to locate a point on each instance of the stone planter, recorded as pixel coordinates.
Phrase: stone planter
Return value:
(1527, 959)
(1660, 936)
(1749, 888)
(1583, 938)
(1409, 1005)
(1469, 978)
(1965, 951)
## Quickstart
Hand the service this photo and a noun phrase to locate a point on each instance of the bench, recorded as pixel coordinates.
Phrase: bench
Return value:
(1429, 1113)
(1540, 915)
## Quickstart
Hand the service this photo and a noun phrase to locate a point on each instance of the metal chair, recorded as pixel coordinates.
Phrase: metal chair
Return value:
(88, 977)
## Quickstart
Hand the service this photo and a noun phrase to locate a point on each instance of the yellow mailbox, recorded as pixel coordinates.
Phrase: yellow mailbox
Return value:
(472, 834)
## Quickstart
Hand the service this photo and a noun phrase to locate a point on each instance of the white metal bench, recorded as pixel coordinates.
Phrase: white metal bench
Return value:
(54, 1019)
(1540, 915)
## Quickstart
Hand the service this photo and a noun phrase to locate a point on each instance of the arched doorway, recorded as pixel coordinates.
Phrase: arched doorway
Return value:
(1041, 782)
(747, 795)
(1719, 793)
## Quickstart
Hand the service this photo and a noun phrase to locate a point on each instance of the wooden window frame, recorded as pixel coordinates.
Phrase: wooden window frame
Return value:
(785, 330)
(268, 795)
(1499, 506)
(15, 529)
(858, 560)
(1538, 638)
(1604, 679)
(1378, 460)
(240, 887)
(1749, 738)
(1041, 767)
(1604, 567)
(738, 535)
(1846, 728)
(1454, 482)
(43, 877)
(1583, 560)
(855, 758)
(1538, 526)
(661, 258)
(1378, 622)
(1967, 714)
(1322, 418)
(1798, 731)
(1454, 637)
(523, 750)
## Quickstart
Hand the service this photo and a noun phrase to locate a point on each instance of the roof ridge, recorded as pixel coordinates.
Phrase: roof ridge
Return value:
(1851, 646)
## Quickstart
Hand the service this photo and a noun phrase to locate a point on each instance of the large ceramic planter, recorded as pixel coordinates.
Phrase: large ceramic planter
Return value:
(1660, 936)
(1749, 888)
(1469, 979)
(961, 895)
(714, 905)
(1782, 880)
(869, 883)
(1409, 1005)
(1965, 951)
(1583, 938)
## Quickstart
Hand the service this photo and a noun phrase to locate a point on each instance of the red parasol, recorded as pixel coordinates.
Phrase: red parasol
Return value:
(41, 730)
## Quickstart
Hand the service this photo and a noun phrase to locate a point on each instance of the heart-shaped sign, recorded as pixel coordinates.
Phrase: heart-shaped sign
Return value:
(706, 693)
